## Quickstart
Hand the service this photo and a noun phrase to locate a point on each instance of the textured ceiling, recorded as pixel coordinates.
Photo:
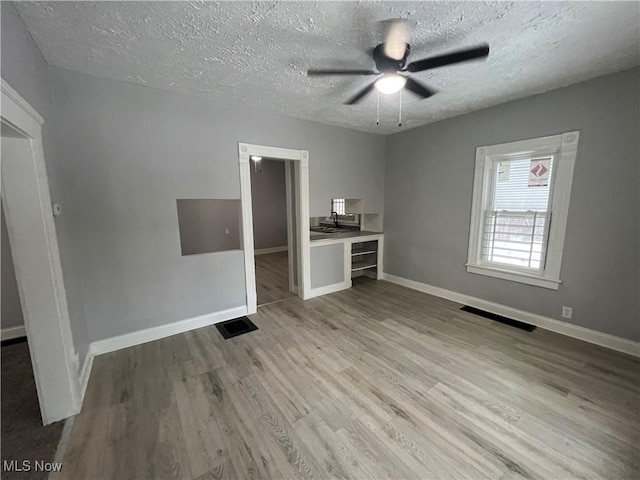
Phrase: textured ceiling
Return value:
(257, 53)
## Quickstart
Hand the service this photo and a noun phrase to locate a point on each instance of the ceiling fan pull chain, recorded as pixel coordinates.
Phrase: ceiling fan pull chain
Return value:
(378, 112)
(400, 110)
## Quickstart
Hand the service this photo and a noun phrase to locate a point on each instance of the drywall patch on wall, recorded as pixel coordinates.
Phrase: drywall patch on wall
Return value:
(208, 225)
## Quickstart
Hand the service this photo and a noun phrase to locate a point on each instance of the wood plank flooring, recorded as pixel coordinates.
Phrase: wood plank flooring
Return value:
(377, 381)
(23, 437)
(272, 277)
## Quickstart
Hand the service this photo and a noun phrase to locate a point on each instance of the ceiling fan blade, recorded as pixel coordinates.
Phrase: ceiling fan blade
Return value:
(465, 55)
(360, 95)
(396, 38)
(325, 72)
(418, 88)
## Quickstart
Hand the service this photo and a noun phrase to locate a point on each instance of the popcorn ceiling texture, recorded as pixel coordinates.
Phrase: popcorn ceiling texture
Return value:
(257, 53)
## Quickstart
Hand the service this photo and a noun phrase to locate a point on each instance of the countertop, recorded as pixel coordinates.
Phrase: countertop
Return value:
(338, 237)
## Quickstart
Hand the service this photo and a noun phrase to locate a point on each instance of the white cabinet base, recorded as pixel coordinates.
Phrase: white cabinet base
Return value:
(372, 268)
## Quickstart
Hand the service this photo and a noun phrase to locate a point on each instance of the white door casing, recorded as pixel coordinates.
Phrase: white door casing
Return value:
(301, 168)
(32, 234)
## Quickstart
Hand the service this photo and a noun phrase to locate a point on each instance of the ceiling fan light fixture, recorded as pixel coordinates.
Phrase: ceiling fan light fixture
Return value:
(390, 83)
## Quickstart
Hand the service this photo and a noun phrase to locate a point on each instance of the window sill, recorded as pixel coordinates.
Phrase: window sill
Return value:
(514, 276)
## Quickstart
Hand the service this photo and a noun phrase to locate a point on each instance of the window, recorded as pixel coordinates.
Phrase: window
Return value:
(517, 218)
(519, 211)
(338, 206)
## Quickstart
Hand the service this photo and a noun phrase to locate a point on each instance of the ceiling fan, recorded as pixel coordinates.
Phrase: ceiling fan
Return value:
(390, 58)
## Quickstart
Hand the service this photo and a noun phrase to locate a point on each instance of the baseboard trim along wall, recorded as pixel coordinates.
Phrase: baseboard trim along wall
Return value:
(10, 333)
(262, 251)
(592, 336)
(150, 334)
(85, 373)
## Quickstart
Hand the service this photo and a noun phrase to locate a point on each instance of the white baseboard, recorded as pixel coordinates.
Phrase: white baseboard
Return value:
(335, 287)
(85, 373)
(150, 334)
(10, 333)
(592, 336)
(155, 333)
(262, 251)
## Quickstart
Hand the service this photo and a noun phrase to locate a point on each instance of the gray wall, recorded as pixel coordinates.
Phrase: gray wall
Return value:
(131, 151)
(429, 178)
(24, 68)
(11, 310)
(269, 203)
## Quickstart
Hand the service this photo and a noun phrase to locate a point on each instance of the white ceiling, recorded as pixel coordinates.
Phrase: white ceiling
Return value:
(258, 53)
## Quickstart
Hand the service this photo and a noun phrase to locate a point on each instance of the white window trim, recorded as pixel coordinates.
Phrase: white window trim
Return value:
(564, 147)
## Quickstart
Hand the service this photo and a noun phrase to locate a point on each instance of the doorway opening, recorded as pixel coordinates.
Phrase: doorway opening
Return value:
(272, 204)
(23, 434)
(281, 272)
(31, 233)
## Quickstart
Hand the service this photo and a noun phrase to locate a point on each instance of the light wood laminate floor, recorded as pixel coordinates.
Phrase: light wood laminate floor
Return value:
(377, 381)
(272, 277)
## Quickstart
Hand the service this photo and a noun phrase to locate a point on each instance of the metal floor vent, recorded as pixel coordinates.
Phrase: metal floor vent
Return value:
(499, 318)
(235, 327)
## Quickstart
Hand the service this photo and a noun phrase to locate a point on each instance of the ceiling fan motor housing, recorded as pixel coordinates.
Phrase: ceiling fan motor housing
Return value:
(387, 64)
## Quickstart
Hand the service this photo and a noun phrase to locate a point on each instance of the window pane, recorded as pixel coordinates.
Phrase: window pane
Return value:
(338, 205)
(522, 185)
(514, 238)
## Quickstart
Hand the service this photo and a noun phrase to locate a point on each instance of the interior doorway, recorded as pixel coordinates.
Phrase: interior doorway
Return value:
(272, 206)
(31, 232)
(296, 172)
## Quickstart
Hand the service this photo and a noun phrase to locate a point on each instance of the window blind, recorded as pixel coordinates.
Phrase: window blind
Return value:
(515, 238)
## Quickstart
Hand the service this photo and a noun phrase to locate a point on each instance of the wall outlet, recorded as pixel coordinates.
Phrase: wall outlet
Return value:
(567, 312)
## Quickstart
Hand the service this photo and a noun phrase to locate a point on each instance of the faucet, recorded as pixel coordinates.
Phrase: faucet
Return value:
(335, 220)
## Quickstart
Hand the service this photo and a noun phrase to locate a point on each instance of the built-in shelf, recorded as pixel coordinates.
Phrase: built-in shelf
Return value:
(365, 252)
(362, 266)
(364, 258)
(371, 222)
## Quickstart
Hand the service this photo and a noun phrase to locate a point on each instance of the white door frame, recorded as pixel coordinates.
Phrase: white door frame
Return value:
(292, 239)
(301, 166)
(27, 202)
